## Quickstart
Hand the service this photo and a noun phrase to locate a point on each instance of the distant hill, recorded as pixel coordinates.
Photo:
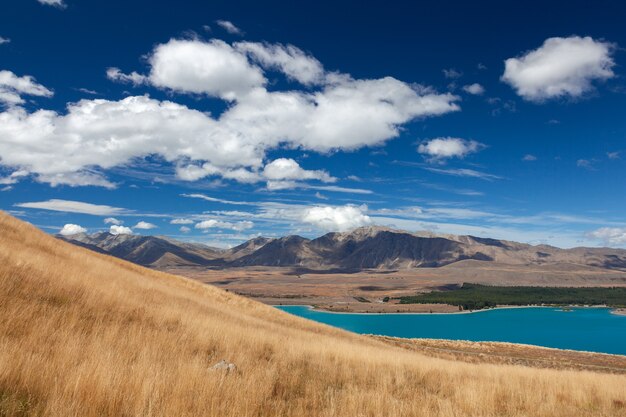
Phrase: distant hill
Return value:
(362, 248)
(147, 250)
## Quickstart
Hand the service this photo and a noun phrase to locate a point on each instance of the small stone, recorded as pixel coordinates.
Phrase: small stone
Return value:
(224, 366)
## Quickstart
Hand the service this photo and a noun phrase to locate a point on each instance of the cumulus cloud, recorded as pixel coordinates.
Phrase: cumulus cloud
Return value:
(213, 68)
(4, 40)
(120, 230)
(184, 229)
(69, 206)
(561, 67)
(181, 221)
(229, 27)
(56, 3)
(113, 220)
(475, 89)
(218, 224)
(343, 116)
(338, 218)
(144, 225)
(13, 87)
(288, 59)
(611, 236)
(96, 134)
(287, 169)
(529, 158)
(445, 148)
(72, 229)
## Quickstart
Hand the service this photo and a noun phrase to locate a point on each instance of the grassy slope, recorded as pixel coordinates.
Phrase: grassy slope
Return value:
(83, 334)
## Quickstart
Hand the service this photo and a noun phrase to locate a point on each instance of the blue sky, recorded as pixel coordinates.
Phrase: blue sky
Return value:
(219, 122)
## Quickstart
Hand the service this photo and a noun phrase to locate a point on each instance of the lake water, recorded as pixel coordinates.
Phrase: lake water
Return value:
(588, 329)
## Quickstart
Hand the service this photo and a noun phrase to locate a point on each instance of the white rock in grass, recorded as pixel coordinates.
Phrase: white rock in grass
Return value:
(224, 366)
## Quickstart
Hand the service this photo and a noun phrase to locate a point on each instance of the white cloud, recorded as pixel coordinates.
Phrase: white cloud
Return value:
(95, 135)
(586, 164)
(475, 89)
(613, 155)
(88, 91)
(218, 224)
(438, 213)
(283, 185)
(13, 87)
(229, 27)
(72, 229)
(144, 225)
(290, 60)
(120, 230)
(612, 236)
(134, 78)
(213, 68)
(69, 206)
(113, 220)
(181, 221)
(464, 172)
(287, 169)
(4, 40)
(338, 189)
(56, 3)
(337, 218)
(444, 148)
(529, 158)
(184, 229)
(13, 178)
(561, 67)
(193, 172)
(75, 179)
(288, 185)
(452, 73)
(217, 200)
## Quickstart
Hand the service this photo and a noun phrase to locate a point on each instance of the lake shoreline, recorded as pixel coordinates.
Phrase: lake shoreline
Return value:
(512, 353)
(615, 311)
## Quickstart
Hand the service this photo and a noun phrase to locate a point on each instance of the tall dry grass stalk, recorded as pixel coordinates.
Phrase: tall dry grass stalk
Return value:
(83, 334)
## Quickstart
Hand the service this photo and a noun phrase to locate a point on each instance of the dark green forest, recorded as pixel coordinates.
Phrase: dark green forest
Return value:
(476, 297)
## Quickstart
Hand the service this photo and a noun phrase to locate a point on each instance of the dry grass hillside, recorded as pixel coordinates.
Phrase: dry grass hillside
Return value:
(83, 334)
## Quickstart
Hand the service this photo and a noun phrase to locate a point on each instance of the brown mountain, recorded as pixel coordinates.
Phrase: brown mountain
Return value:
(147, 250)
(362, 248)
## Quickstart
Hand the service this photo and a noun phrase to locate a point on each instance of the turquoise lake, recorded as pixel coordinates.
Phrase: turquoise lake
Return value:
(588, 329)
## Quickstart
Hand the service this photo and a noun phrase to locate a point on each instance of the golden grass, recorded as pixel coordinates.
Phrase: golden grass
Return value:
(83, 334)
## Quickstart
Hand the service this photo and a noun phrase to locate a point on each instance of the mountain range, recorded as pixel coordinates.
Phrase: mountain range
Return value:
(362, 248)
